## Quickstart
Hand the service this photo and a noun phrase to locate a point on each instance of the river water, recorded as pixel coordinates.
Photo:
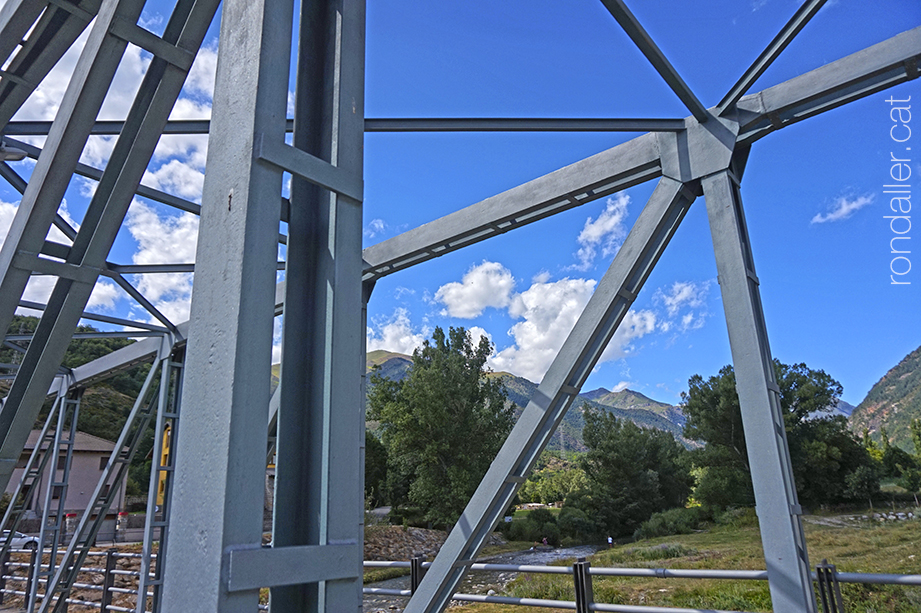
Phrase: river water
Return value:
(475, 582)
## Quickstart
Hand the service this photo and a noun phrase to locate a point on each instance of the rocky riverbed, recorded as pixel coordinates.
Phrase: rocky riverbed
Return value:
(476, 582)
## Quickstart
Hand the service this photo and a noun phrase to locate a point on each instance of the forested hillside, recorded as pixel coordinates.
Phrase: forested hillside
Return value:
(105, 406)
(893, 403)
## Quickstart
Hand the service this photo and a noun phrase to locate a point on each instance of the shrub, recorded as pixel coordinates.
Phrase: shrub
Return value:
(744, 517)
(672, 521)
(575, 524)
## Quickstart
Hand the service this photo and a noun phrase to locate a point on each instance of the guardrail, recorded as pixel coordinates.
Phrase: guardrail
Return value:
(104, 577)
(826, 576)
(106, 586)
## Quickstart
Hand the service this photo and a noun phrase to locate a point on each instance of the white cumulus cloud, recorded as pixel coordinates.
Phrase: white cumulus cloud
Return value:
(549, 311)
(682, 294)
(842, 208)
(164, 240)
(396, 334)
(375, 228)
(607, 232)
(489, 284)
(104, 296)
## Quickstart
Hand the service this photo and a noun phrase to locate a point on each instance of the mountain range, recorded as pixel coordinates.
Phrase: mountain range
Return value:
(891, 404)
(624, 404)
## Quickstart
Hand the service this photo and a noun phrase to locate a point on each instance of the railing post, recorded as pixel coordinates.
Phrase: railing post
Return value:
(582, 579)
(108, 580)
(829, 589)
(416, 571)
(4, 571)
(34, 558)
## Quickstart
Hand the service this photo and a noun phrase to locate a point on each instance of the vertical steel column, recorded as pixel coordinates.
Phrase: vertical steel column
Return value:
(32, 472)
(89, 524)
(759, 396)
(582, 581)
(599, 321)
(158, 511)
(318, 486)
(219, 480)
(52, 530)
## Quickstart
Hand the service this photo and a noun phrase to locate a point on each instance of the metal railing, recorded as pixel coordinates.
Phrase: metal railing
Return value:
(107, 588)
(826, 576)
(104, 574)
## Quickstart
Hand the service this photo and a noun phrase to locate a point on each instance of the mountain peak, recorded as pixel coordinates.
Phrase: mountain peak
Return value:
(595, 394)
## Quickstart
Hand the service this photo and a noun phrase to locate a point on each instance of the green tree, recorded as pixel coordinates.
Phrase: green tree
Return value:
(442, 424)
(553, 479)
(863, 483)
(375, 469)
(632, 472)
(915, 427)
(911, 481)
(824, 452)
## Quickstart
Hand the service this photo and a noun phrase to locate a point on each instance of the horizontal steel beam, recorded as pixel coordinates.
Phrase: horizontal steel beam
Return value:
(408, 124)
(89, 335)
(248, 568)
(628, 164)
(124, 358)
(144, 269)
(37, 306)
(523, 124)
(142, 190)
(142, 351)
(96, 174)
(860, 74)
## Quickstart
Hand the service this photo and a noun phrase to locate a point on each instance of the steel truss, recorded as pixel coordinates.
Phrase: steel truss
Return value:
(314, 423)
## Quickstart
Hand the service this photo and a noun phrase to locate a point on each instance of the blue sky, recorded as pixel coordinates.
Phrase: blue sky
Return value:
(812, 191)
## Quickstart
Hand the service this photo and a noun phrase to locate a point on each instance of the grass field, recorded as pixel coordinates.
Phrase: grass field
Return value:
(868, 547)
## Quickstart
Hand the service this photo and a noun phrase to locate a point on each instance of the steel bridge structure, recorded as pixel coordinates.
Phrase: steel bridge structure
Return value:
(216, 366)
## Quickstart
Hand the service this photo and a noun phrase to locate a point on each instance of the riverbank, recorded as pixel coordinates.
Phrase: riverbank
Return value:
(853, 545)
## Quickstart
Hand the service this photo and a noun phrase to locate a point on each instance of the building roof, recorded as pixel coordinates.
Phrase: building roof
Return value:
(82, 442)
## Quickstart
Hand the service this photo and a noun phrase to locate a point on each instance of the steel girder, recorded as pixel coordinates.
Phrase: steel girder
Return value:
(85, 259)
(43, 31)
(605, 310)
(708, 149)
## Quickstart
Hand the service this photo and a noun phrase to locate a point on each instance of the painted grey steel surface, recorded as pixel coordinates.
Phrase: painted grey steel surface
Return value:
(157, 519)
(320, 419)
(158, 92)
(782, 536)
(641, 38)
(32, 472)
(220, 464)
(860, 74)
(52, 533)
(629, 164)
(793, 27)
(328, 439)
(605, 310)
(34, 215)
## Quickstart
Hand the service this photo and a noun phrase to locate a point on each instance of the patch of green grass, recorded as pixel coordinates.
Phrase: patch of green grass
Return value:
(888, 547)
(494, 550)
(373, 575)
(521, 514)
